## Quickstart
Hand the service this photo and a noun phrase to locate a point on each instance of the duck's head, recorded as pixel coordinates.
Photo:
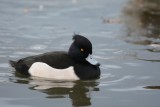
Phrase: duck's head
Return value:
(81, 50)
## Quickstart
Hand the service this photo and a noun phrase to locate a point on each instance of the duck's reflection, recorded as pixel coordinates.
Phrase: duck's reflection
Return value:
(152, 87)
(78, 91)
(142, 18)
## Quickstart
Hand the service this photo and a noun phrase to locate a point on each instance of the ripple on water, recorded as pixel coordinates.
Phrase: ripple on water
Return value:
(119, 52)
(14, 56)
(26, 53)
(38, 47)
(111, 67)
(137, 88)
(103, 57)
(4, 65)
(132, 64)
(2, 56)
(4, 77)
(105, 76)
(148, 56)
(115, 81)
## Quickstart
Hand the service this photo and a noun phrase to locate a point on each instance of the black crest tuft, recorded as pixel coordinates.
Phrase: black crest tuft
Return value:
(83, 42)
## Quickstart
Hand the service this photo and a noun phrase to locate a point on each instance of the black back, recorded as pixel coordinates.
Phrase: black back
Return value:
(59, 60)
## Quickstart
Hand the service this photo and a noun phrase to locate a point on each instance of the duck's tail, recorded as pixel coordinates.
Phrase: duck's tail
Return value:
(19, 66)
(12, 63)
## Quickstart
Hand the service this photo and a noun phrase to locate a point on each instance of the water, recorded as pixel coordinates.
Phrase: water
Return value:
(125, 37)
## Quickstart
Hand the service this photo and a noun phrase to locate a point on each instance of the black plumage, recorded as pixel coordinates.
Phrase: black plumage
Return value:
(78, 51)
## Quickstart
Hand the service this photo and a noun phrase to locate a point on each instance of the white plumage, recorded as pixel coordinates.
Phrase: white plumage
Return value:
(40, 69)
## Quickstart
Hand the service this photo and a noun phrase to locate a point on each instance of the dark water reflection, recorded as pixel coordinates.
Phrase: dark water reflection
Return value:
(142, 21)
(79, 92)
(142, 18)
(153, 87)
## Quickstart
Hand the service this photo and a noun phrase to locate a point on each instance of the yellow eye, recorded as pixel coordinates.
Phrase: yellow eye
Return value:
(82, 49)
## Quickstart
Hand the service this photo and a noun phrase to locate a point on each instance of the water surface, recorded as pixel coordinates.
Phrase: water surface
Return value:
(125, 37)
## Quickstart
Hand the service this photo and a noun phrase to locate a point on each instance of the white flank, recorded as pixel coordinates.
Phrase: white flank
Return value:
(40, 69)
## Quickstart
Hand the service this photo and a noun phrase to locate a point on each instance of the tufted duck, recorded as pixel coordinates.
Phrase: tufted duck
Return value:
(76, 64)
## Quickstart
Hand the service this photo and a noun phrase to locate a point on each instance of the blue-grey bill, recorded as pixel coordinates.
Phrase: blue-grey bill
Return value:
(91, 60)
